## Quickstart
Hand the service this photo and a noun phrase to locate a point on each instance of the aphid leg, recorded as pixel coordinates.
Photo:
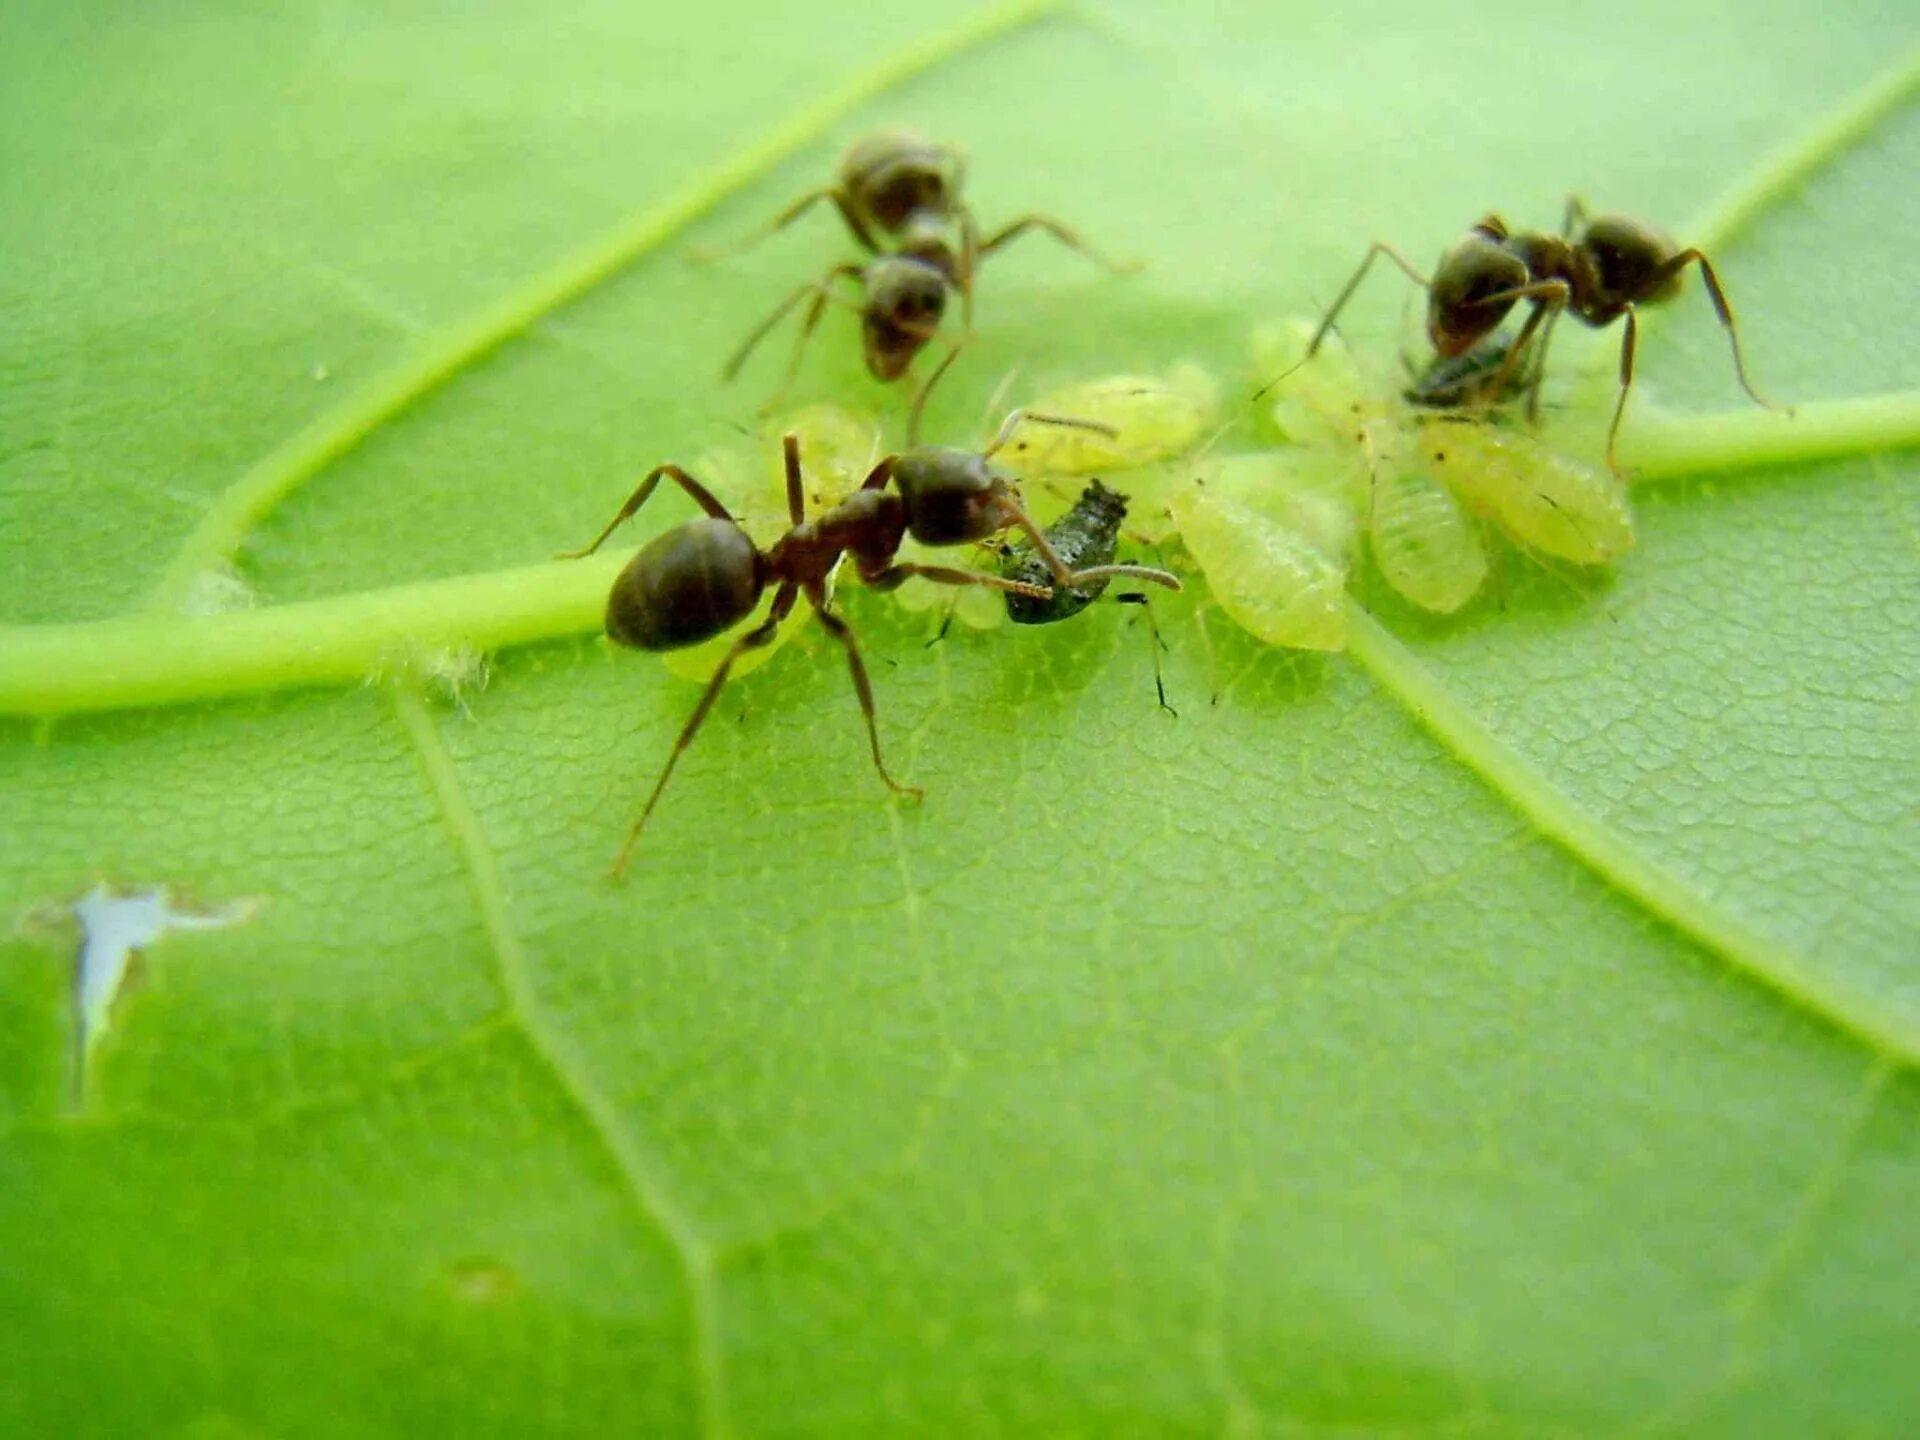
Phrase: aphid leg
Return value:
(1723, 310)
(1064, 576)
(1007, 234)
(946, 622)
(1016, 418)
(1206, 651)
(917, 409)
(816, 288)
(761, 634)
(1154, 645)
(840, 631)
(1379, 247)
(700, 494)
(702, 253)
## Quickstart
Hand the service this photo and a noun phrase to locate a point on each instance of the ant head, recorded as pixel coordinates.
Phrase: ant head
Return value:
(952, 496)
(1626, 255)
(905, 300)
(893, 173)
(1478, 266)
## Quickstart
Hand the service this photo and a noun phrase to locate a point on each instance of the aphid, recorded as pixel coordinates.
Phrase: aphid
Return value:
(1478, 378)
(1273, 532)
(701, 578)
(1599, 268)
(900, 197)
(1147, 419)
(1546, 501)
(1426, 545)
(1087, 535)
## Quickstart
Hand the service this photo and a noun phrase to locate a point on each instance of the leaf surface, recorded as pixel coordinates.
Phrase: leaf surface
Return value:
(1504, 1028)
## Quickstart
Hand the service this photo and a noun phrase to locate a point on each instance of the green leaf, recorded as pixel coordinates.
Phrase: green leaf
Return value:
(1505, 1028)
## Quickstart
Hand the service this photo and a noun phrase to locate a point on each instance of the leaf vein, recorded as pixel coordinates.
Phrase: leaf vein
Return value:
(437, 360)
(1611, 856)
(639, 1171)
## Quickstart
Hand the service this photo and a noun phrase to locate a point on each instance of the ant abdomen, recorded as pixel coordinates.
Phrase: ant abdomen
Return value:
(685, 586)
(1629, 257)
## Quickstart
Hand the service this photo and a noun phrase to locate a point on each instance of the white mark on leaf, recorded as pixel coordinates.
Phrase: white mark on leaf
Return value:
(113, 930)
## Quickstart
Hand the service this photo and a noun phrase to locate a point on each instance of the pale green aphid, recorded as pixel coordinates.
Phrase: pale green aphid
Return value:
(837, 449)
(1425, 543)
(1153, 418)
(1546, 501)
(1273, 532)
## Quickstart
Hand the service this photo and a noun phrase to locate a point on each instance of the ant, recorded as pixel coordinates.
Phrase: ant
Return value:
(899, 195)
(1598, 267)
(698, 579)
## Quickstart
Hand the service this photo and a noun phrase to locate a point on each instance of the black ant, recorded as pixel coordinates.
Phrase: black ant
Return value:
(696, 580)
(1600, 268)
(899, 195)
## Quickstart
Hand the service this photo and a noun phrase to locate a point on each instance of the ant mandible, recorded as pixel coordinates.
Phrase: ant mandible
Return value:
(696, 580)
(1600, 268)
(899, 194)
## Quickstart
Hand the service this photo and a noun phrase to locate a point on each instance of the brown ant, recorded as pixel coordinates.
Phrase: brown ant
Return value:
(891, 183)
(899, 195)
(696, 580)
(1599, 268)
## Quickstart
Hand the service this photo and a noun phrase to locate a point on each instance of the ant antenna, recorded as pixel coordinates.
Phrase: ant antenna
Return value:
(1016, 418)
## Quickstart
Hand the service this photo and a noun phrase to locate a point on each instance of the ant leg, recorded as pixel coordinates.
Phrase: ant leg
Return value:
(1575, 216)
(1064, 576)
(1013, 231)
(700, 494)
(1629, 343)
(760, 635)
(1154, 646)
(703, 253)
(969, 263)
(919, 405)
(1722, 309)
(893, 577)
(1379, 247)
(842, 632)
(1549, 297)
(881, 473)
(796, 489)
(816, 288)
(1538, 367)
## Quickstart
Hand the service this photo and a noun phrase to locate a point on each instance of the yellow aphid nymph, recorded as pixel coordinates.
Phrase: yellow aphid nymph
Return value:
(1272, 533)
(1152, 419)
